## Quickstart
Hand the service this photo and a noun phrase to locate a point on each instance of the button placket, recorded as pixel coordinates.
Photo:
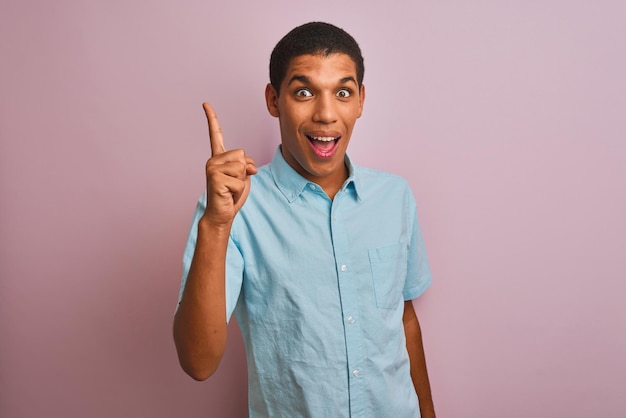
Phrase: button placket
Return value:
(349, 300)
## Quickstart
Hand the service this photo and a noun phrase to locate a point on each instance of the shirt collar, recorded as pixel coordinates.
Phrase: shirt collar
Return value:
(291, 184)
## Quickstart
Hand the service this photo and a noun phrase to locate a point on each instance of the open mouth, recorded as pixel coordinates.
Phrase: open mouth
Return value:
(323, 146)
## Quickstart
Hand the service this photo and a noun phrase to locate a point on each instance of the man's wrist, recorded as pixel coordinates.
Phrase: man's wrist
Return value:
(213, 229)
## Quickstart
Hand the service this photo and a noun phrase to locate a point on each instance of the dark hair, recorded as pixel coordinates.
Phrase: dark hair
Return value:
(313, 38)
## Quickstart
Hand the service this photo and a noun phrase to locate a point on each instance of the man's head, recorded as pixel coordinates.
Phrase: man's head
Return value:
(311, 39)
(318, 70)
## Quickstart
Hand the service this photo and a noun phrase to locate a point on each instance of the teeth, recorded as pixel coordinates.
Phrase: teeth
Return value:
(324, 138)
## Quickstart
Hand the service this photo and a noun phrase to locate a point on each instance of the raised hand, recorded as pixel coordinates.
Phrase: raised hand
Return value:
(227, 175)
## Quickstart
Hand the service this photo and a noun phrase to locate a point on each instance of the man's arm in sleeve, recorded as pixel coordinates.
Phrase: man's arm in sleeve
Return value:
(200, 321)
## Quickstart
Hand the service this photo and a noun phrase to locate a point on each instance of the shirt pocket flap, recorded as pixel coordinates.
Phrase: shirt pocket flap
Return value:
(389, 267)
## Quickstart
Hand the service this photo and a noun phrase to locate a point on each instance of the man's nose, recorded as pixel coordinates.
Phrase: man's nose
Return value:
(325, 110)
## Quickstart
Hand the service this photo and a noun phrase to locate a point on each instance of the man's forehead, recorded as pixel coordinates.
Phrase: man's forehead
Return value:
(342, 63)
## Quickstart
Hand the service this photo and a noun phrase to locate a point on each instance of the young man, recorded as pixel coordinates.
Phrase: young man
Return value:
(318, 259)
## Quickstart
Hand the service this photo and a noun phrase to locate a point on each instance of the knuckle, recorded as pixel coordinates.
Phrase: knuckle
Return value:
(210, 167)
(242, 168)
(239, 154)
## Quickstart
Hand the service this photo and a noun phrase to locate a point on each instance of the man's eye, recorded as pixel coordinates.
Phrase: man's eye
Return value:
(303, 93)
(343, 93)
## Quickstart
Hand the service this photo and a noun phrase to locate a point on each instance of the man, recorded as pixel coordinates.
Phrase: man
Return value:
(318, 259)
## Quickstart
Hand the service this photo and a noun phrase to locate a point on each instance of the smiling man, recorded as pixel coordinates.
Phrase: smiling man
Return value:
(320, 104)
(317, 257)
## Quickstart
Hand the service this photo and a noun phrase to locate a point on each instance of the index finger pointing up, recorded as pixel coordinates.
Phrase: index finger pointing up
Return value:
(215, 131)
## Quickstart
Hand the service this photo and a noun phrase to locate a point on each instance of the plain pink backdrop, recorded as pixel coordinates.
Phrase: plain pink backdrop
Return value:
(507, 117)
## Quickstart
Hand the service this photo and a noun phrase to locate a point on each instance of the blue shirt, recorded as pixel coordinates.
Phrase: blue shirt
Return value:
(318, 289)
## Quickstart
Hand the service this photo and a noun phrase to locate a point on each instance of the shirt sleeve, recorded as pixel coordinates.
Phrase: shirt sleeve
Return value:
(419, 276)
(190, 246)
(234, 262)
(234, 277)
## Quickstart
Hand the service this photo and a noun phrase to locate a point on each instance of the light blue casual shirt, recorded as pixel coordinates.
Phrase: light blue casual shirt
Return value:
(318, 289)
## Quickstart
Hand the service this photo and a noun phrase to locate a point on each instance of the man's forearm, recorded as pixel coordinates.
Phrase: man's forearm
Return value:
(200, 321)
(419, 373)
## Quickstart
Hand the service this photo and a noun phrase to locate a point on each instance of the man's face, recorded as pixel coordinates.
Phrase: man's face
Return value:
(319, 103)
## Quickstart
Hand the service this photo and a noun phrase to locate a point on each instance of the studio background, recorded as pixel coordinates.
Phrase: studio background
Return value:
(508, 118)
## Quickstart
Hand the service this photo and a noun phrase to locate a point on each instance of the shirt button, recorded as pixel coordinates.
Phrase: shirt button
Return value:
(312, 186)
(351, 320)
(344, 267)
(356, 373)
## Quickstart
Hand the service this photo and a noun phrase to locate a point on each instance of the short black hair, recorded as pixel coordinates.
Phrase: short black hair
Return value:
(313, 38)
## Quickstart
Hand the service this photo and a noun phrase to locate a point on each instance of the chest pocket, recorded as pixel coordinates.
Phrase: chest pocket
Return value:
(389, 267)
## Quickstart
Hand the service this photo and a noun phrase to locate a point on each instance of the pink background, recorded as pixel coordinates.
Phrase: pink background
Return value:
(507, 117)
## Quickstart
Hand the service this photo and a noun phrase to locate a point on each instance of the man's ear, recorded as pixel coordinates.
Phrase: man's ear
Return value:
(271, 100)
(361, 99)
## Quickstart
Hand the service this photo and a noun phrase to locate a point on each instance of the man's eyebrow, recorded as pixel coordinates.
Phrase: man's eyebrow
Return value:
(301, 78)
